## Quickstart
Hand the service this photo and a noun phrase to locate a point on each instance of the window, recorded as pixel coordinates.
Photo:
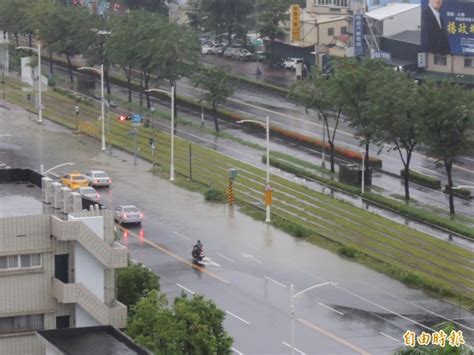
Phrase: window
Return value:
(331, 31)
(343, 30)
(468, 62)
(21, 324)
(13, 262)
(439, 59)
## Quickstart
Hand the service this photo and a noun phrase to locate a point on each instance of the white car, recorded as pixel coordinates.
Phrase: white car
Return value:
(98, 178)
(89, 192)
(211, 48)
(290, 63)
(128, 214)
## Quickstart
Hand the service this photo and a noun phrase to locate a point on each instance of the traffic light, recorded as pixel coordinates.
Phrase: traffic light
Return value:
(124, 118)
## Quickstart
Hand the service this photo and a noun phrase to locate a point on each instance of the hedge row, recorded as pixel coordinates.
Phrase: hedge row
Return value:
(461, 193)
(400, 207)
(421, 179)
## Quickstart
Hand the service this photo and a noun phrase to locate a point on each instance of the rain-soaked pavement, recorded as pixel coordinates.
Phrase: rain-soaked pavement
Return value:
(251, 264)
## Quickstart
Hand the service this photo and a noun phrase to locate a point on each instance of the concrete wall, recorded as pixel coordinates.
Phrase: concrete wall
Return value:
(317, 33)
(83, 318)
(21, 345)
(454, 65)
(88, 271)
(408, 20)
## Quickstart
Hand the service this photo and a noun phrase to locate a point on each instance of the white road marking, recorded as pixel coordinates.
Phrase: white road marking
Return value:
(209, 261)
(186, 289)
(227, 258)
(289, 346)
(237, 352)
(250, 256)
(5, 135)
(182, 236)
(390, 337)
(384, 308)
(237, 317)
(429, 311)
(275, 282)
(330, 308)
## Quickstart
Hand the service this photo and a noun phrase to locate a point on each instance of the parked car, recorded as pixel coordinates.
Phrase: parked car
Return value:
(212, 48)
(241, 54)
(98, 178)
(89, 192)
(128, 214)
(228, 52)
(290, 63)
(74, 181)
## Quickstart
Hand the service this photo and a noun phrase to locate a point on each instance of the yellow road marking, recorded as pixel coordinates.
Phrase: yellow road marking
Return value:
(333, 336)
(166, 251)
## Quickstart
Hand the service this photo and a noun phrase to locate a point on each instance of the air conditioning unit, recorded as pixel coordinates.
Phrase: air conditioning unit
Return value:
(67, 199)
(76, 202)
(46, 190)
(57, 195)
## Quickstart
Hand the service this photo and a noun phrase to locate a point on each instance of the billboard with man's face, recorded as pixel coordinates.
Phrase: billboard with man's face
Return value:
(447, 27)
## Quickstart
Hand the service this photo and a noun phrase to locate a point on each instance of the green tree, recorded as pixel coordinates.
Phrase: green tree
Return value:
(190, 326)
(395, 109)
(218, 87)
(352, 79)
(221, 16)
(121, 45)
(319, 93)
(93, 45)
(270, 15)
(178, 53)
(14, 18)
(134, 282)
(447, 122)
(159, 6)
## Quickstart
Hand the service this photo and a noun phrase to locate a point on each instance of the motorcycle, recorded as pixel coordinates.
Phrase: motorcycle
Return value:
(198, 257)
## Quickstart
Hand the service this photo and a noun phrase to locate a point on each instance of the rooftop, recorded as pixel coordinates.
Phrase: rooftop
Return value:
(104, 340)
(20, 193)
(407, 36)
(390, 10)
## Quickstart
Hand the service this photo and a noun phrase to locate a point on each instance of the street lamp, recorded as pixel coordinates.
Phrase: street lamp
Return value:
(171, 95)
(101, 72)
(265, 125)
(40, 103)
(363, 172)
(54, 167)
(292, 308)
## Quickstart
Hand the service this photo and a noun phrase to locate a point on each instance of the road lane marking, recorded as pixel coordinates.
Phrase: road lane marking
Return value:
(289, 346)
(330, 308)
(237, 352)
(384, 308)
(182, 236)
(237, 317)
(170, 253)
(333, 336)
(209, 261)
(275, 282)
(429, 311)
(390, 337)
(251, 257)
(227, 258)
(184, 288)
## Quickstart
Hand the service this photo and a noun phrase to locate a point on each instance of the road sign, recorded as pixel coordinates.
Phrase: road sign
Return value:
(136, 120)
(268, 195)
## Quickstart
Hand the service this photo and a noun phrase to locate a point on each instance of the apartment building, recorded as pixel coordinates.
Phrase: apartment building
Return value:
(57, 270)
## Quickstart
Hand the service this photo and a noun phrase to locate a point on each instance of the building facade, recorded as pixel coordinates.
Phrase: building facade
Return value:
(57, 273)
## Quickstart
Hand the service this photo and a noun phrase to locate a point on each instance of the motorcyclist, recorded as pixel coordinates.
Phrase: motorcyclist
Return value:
(197, 249)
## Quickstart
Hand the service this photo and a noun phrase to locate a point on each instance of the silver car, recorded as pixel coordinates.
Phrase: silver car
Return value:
(98, 178)
(128, 214)
(89, 192)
